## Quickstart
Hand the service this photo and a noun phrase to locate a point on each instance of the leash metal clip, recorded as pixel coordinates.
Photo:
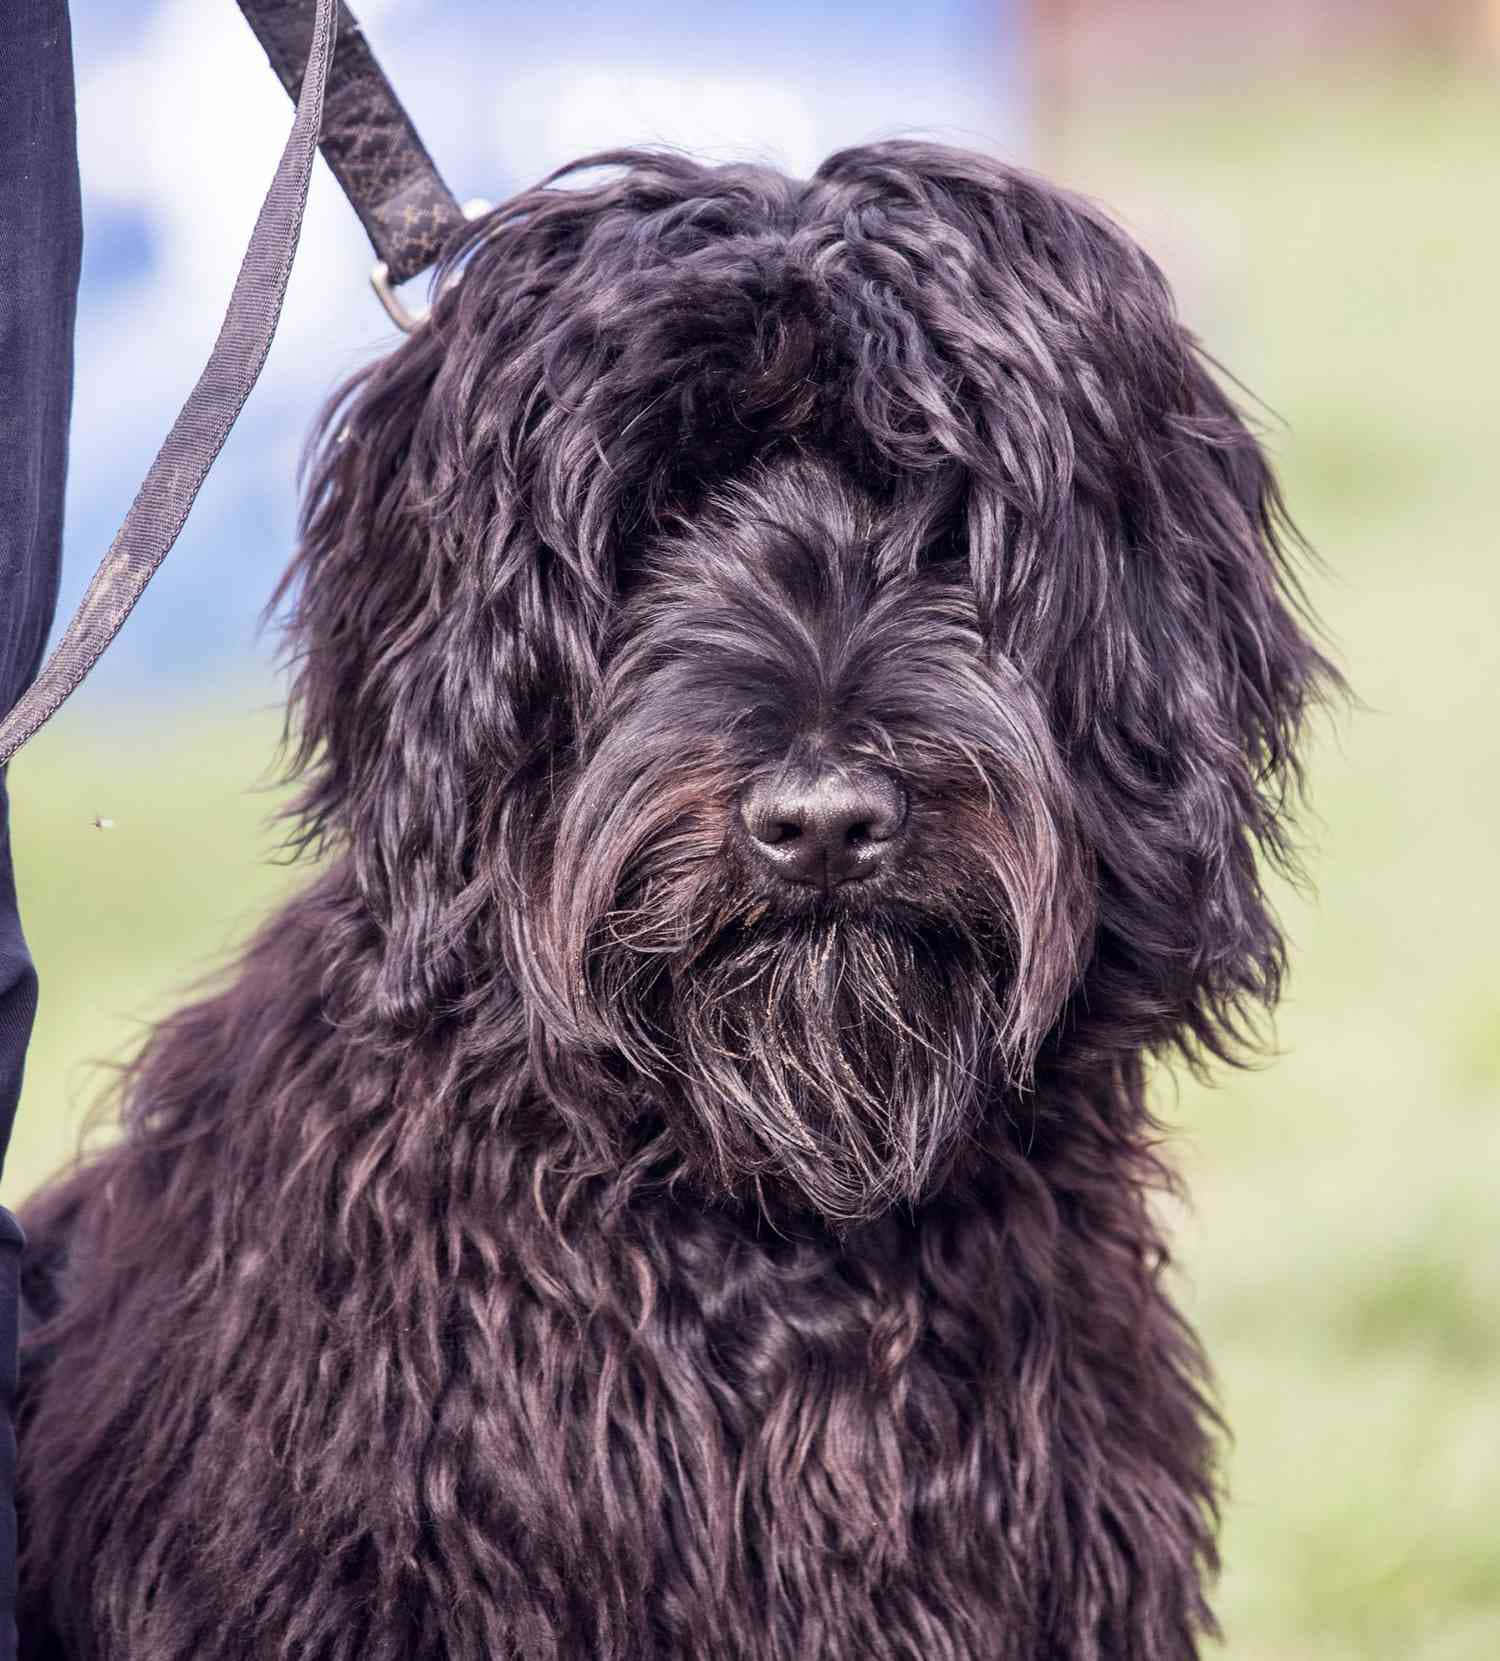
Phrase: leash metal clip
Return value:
(385, 291)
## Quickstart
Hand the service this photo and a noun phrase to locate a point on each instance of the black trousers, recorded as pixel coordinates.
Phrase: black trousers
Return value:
(41, 241)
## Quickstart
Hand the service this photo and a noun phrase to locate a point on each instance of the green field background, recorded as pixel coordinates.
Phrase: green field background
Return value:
(1338, 244)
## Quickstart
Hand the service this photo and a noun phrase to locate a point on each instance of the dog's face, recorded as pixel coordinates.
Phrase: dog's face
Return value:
(821, 648)
(817, 878)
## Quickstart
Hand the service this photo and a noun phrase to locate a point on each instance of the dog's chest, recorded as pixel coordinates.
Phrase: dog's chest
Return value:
(672, 1440)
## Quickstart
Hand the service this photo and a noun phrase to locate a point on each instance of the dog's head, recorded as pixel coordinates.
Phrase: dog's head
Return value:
(819, 646)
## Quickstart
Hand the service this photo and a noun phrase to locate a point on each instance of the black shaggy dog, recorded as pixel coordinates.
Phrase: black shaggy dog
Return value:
(794, 679)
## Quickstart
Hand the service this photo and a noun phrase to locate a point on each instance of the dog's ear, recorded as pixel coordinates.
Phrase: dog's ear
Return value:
(1181, 672)
(1129, 552)
(443, 643)
(1143, 575)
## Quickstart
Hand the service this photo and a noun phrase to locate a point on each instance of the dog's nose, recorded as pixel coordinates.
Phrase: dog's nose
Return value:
(826, 826)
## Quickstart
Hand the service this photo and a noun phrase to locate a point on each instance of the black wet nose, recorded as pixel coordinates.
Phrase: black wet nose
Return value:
(824, 827)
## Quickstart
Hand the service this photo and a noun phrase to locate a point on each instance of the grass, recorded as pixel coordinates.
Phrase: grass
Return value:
(1336, 244)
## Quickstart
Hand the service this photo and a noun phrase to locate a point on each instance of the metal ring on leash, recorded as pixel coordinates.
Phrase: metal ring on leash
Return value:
(385, 290)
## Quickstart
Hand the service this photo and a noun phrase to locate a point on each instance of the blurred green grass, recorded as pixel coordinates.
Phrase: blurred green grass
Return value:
(1336, 243)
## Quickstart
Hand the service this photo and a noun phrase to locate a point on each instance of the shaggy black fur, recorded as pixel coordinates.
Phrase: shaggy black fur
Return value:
(563, 1238)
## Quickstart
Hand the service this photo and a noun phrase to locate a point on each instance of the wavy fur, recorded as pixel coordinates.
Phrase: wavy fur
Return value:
(554, 1240)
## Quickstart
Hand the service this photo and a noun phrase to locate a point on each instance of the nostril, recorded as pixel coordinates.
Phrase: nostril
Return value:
(779, 831)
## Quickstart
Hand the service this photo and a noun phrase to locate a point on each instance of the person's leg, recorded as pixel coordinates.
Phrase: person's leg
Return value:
(40, 249)
(17, 1008)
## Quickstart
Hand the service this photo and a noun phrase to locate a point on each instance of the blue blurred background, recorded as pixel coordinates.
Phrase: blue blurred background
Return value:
(1321, 181)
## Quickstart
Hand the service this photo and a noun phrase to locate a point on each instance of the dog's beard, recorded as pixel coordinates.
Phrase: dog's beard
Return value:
(819, 1055)
(828, 1052)
(834, 1061)
(823, 1054)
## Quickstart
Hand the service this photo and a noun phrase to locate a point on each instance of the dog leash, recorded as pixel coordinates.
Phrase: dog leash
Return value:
(368, 140)
(345, 104)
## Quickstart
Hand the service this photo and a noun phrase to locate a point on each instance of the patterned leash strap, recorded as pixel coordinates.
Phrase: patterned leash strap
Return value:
(344, 101)
(369, 142)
